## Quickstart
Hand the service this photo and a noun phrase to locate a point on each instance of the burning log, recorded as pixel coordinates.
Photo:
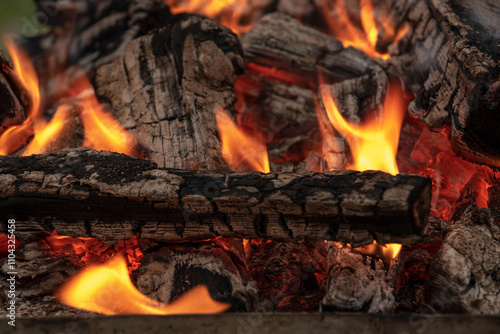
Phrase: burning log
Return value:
(450, 63)
(95, 32)
(166, 88)
(356, 283)
(113, 197)
(12, 111)
(282, 49)
(464, 274)
(219, 264)
(290, 275)
(280, 41)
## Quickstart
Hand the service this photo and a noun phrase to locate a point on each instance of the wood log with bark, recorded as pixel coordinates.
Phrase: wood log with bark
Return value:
(113, 197)
(169, 270)
(167, 86)
(356, 282)
(286, 57)
(450, 61)
(463, 276)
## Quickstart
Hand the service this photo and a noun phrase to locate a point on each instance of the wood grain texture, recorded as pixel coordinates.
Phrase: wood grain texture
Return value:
(450, 61)
(112, 197)
(167, 86)
(463, 276)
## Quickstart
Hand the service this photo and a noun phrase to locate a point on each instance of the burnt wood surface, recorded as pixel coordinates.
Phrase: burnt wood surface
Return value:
(169, 270)
(463, 276)
(166, 87)
(110, 196)
(12, 111)
(451, 62)
(287, 62)
(356, 283)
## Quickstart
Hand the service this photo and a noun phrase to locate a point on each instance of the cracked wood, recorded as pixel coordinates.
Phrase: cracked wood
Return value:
(111, 196)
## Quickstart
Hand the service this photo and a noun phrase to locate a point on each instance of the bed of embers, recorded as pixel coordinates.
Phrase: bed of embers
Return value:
(362, 136)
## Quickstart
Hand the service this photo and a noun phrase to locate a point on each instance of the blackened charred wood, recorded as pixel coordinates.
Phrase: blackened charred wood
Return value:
(167, 86)
(463, 276)
(280, 41)
(95, 31)
(112, 197)
(219, 264)
(290, 275)
(451, 62)
(356, 283)
(12, 111)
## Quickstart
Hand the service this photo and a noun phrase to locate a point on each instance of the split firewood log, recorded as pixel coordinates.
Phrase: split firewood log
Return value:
(356, 282)
(464, 273)
(450, 61)
(172, 269)
(167, 86)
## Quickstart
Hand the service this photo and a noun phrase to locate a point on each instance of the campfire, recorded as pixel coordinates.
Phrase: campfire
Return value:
(194, 157)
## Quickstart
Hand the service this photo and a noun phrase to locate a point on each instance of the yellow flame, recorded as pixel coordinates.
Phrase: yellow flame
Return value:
(363, 38)
(373, 144)
(17, 135)
(228, 12)
(384, 252)
(240, 150)
(45, 134)
(107, 289)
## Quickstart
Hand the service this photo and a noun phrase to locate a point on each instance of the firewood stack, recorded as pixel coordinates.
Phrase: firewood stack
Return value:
(164, 77)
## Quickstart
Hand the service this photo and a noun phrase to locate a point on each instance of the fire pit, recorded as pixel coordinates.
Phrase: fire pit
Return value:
(260, 159)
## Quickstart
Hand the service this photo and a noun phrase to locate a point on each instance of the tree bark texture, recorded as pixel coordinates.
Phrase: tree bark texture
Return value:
(112, 197)
(450, 61)
(167, 86)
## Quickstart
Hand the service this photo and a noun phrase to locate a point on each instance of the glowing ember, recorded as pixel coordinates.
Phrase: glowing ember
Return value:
(363, 38)
(5, 242)
(107, 289)
(227, 12)
(454, 180)
(373, 144)
(17, 135)
(241, 150)
(84, 251)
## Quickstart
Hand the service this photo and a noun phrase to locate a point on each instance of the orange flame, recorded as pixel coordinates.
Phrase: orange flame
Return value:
(384, 252)
(17, 135)
(373, 144)
(241, 150)
(45, 134)
(363, 38)
(107, 289)
(102, 131)
(227, 12)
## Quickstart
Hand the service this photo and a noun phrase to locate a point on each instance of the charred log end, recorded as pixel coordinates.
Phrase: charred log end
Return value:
(421, 204)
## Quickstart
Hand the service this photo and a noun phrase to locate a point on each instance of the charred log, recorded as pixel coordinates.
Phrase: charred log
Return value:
(219, 264)
(95, 32)
(464, 273)
(113, 197)
(290, 275)
(356, 283)
(166, 88)
(12, 111)
(450, 62)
